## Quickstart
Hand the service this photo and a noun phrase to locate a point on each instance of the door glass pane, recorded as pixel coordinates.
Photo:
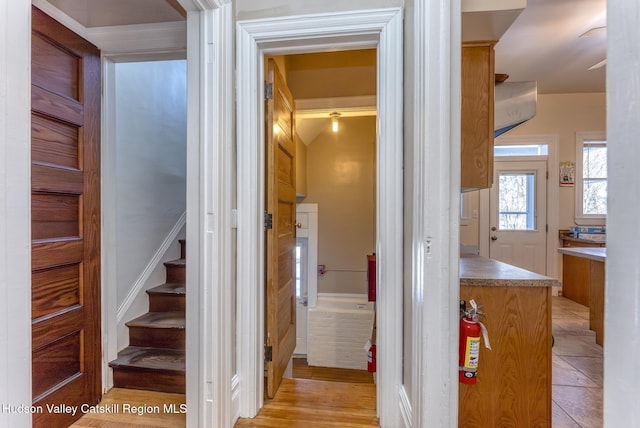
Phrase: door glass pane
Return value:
(516, 201)
(521, 150)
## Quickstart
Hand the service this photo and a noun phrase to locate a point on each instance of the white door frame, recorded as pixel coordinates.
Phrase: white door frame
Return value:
(211, 387)
(310, 232)
(381, 29)
(553, 198)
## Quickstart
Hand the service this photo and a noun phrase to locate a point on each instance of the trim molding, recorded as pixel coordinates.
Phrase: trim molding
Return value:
(347, 106)
(212, 397)
(433, 129)
(405, 408)
(164, 37)
(15, 210)
(312, 251)
(62, 18)
(139, 284)
(381, 28)
(168, 37)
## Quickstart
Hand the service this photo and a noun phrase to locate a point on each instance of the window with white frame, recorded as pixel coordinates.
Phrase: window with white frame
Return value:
(591, 178)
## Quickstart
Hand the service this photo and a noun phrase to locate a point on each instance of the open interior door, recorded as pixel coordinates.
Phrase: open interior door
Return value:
(280, 236)
(65, 221)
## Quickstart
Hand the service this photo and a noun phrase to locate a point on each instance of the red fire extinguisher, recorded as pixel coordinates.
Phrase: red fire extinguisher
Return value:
(371, 359)
(471, 329)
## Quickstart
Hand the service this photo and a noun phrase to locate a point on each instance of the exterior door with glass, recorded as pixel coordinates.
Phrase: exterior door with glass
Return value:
(518, 214)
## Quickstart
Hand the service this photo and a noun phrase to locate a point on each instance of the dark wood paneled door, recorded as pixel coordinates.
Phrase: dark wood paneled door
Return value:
(65, 221)
(281, 237)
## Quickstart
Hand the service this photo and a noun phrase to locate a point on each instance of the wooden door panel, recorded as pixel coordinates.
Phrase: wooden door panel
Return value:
(65, 220)
(54, 142)
(53, 105)
(54, 68)
(46, 330)
(281, 202)
(55, 253)
(55, 290)
(56, 180)
(57, 362)
(55, 216)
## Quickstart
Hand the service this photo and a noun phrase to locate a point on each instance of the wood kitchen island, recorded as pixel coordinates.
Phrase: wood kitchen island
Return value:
(514, 378)
(583, 280)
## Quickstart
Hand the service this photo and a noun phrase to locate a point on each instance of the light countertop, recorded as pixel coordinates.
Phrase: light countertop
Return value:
(480, 271)
(594, 253)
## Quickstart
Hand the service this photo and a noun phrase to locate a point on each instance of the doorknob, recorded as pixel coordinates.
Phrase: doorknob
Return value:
(494, 228)
(494, 238)
(299, 225)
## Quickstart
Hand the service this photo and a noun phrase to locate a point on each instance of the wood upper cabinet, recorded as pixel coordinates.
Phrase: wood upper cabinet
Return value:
(478, 83)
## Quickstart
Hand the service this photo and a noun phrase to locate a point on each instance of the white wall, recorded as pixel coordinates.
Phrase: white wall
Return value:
(150, 156)
(622, 305)
(469, 227)
(341, 179)
(15, 187)
(562, 115)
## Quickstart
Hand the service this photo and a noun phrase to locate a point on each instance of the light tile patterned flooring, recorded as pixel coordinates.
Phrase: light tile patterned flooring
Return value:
(577, 368)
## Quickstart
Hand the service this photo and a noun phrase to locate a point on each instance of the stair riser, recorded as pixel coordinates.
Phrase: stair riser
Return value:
(166, 303)
(176, 274)
(171, 338)
(150, 381)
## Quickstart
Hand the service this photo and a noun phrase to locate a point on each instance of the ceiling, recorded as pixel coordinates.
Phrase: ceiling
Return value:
(105, 13)
(543, 43)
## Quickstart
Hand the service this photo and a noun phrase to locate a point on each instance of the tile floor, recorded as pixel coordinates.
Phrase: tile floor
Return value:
(577, 368)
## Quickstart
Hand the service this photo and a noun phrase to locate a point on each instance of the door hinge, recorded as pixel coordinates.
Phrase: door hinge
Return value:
(268, 221)
(546, 227)
(268, 353)
(268, 91)
(547, 175)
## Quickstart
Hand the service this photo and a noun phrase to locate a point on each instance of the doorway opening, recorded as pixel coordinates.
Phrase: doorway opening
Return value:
(521, 158)
(382, 30)
(335, 139)
(144, 218)
(335, 95)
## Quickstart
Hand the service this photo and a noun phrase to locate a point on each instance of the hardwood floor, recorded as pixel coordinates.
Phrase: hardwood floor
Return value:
(135, 408)
(349, 400)
(318, 404)
(302, 370)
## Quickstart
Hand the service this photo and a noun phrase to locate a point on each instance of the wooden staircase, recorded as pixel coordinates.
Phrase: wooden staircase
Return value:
(154, 359)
